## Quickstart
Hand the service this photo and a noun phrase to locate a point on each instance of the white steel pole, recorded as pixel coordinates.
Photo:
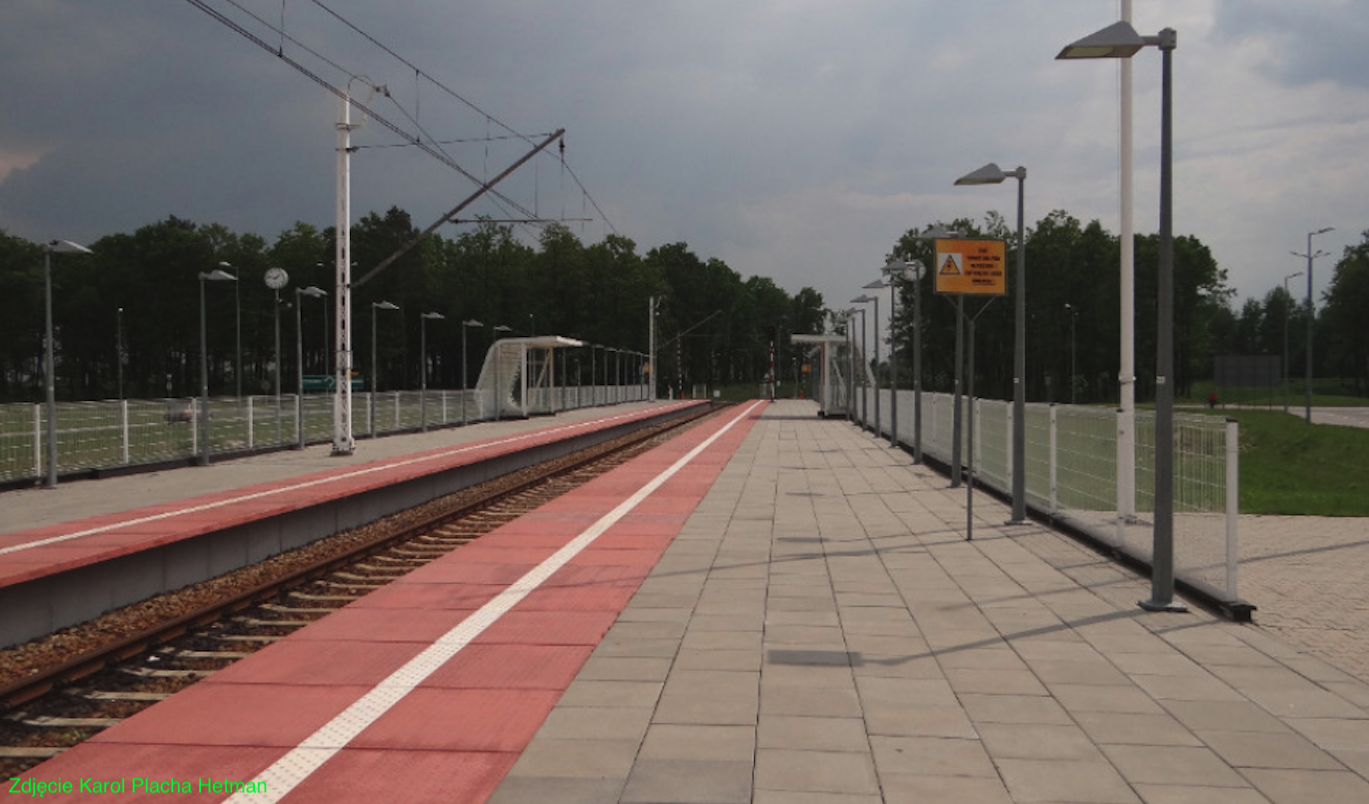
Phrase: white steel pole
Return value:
(342, 371)
(1126, 374)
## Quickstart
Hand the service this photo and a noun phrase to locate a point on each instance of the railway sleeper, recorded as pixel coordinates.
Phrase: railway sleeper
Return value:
(116, 695)
(281, 609)
(46, 722)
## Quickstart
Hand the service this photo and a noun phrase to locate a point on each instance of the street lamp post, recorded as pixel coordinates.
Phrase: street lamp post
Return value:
(498, 389)
(1074, 316)
(375, 362)
(119, 349)
(423, 369)
(993, 174)
(49, 364)
(216, 275)
(891, 269)
(865, 299)
(1287, 309)
(237, 327)
(864, 389)
(465, 325)
(313, 291)
(1311, 255)
(1120, 41)
(916, 267)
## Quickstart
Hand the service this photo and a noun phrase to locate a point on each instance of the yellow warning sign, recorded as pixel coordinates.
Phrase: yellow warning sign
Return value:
(971, 267)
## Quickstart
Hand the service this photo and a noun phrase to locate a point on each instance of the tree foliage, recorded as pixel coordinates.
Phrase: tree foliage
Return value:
(142, 289)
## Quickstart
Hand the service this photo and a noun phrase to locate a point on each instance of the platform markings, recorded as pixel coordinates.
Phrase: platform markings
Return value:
(292, 769)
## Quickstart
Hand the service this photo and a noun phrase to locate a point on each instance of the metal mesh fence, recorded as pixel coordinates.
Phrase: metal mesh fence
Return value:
(1071, 466)
(111, 433)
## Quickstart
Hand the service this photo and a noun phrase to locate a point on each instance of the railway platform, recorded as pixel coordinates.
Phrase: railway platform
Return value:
(771, 608)
(72, 552)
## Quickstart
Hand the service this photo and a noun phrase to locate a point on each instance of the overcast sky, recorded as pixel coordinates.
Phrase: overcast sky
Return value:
(793, 139)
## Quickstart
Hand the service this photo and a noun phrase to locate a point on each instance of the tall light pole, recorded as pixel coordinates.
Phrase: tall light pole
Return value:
(498, 389)
(375, 362)
(1311, 313)
(915, 269)
(865, 298)
(893, 269)
(216, 275)
(119, 349)
(277, 278)
(993, 174)
(423, 369)
(1287, 310)
(1074, 316)
(1120, 41)
(237, 326)
(864, 389)
(465, 325)
(880, 284)
(315, 292)
(49, 364)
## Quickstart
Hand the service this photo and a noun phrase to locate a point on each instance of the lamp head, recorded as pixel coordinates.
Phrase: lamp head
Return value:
(939, 232)
(878, 284)
(863, 299)
(384, 305)
(65, 247)
(433, 316)
(1324, 231)
(218, 275)
(1117, 41)
(472, 323)
(313, 290)
(989, 174)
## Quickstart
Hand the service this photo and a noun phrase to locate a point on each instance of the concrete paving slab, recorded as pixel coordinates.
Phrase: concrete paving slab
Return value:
(893, 661)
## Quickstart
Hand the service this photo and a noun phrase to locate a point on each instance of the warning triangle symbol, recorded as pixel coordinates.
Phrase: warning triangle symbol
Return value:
(950, 267)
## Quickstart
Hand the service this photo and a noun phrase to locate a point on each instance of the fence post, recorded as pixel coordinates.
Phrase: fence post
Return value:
(195, 427)
(1233, 504)
(123, 429)
(37, 440)
(397, 406)
(1007, 447)
(251, 434)
(1054, 460)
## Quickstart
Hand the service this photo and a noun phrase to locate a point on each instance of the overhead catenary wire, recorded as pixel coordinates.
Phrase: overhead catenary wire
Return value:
(340, 92)
(424, 140)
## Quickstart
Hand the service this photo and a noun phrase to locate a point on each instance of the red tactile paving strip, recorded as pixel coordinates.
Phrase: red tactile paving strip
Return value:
(455, 736)
(110, 536)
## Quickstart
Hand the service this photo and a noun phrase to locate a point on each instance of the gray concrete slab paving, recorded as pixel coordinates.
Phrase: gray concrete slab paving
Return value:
(838, 640)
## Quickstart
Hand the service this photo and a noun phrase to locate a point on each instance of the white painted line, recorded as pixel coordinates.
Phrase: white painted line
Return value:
(367, 470)
(299, 763)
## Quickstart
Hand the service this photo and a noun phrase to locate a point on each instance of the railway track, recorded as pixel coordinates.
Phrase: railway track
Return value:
(60, 690)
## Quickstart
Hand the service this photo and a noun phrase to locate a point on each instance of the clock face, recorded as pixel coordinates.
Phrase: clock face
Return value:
(276, 278)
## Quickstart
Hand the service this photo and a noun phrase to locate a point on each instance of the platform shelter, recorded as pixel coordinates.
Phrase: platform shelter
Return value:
(835, 365)
(519, 376)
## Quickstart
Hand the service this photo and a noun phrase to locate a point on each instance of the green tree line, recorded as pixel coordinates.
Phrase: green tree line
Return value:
(712, 324)
(1073, 310)
(1340, 339)
(141, 290)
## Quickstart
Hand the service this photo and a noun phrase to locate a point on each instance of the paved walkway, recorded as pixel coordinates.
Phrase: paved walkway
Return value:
(821, 632)
(1309, 577)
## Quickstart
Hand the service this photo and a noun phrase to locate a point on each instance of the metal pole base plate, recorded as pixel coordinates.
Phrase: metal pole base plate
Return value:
(1172, 606)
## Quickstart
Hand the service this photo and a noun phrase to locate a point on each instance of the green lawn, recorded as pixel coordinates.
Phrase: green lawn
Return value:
(1291, 467)
(1326, 393)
